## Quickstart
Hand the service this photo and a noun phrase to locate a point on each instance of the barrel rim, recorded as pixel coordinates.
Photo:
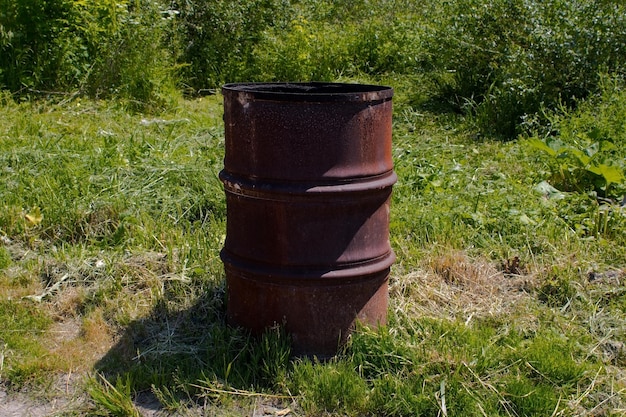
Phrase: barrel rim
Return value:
(254, 186)
(320, 273)
(312, 91)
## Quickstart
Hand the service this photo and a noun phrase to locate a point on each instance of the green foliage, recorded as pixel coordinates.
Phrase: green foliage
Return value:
(556, 290)
(548, 361)
(96, 166)
(218, 37)
(20, 343)
(5, 258)
(585, 148)
(415, 373)
(94, 190)
(133, 49)
(590, 168)
(328, 40)
(333, 387)
(511, 58)
(379, 354)
(525, 397)
(301, 52)
(34, 37)
(238, 359)
(312, 50)
(501, 61)
(104, 47)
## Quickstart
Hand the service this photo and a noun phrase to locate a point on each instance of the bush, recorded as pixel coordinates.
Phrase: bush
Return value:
(305, 51)
(219, 37)
(511, 58)
(133, 49)
(103, 47)
(34, 37)
(327, 41)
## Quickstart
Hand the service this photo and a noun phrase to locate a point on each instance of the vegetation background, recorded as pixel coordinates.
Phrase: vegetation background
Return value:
(508, 296)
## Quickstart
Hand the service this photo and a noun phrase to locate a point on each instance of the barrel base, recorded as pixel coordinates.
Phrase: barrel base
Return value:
(317, 313)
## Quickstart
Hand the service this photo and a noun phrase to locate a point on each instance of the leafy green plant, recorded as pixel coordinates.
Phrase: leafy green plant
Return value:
(585, 148)
(104, 48)
(33, 40)
(219, 36)
(330, 40)
(582, 169)
(132, 45)
(556, 290)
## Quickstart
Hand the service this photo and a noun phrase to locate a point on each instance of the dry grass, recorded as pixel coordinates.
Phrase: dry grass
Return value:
(455, 286)
(89, 300)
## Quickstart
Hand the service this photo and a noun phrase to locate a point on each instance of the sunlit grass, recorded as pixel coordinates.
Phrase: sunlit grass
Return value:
(111, 227)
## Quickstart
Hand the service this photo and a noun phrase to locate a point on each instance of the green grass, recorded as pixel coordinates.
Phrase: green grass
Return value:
(114, 221)
(21, 339)
(508, 294)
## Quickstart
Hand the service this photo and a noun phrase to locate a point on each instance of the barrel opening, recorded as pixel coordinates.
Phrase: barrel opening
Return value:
(313, 90)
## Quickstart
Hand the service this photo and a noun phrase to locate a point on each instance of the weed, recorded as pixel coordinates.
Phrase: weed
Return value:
(585, 147)
(557, 289)
(113, 399)
(5, 258)
(334, 387)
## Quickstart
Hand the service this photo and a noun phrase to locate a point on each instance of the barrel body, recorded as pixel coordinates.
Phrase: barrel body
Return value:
(307, 175)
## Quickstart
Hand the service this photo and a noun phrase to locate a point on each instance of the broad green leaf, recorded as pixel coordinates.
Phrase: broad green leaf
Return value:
(34, 217)
(581, 156)
(605, 145)
(542, 146)
(611, 174)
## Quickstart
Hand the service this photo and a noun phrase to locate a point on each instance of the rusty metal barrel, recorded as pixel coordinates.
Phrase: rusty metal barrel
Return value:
(308, 176)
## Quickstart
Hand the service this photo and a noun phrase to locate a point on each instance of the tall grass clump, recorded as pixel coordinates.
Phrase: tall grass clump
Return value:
(504, 60)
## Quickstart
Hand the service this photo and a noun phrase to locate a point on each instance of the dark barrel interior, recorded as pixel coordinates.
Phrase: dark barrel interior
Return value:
(314, 91)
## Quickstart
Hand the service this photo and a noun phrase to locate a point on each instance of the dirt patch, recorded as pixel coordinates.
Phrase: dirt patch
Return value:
(21, 406)
(62, 395)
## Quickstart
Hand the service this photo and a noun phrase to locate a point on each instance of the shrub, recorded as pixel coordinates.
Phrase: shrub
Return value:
(103, 47)
(326, 42)
(133, 50)
(33, 41)
(305, 51)
(219, 37)
(510, 58)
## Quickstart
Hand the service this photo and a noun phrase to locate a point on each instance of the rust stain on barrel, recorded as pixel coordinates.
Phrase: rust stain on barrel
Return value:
(308, 175)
